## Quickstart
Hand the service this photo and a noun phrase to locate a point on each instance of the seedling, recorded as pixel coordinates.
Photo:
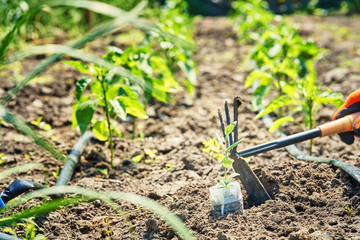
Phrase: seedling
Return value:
(112, 94)
(30, 228)
(46, 127)
(306, 100)
(348, 209)
(103, 171)
(168, 167)
(151, 155)
(56, 173)
(2, 158)
(213, 147)
(226, 147)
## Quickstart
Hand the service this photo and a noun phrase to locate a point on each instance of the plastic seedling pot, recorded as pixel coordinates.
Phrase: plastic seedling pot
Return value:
(226, 199)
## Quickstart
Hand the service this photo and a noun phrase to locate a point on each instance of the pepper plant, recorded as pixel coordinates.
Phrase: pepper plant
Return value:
(281, 58)
(306, 100)
(173, 18)
(252, 18)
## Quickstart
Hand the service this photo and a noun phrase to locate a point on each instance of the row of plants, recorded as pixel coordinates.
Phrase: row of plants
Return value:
(122, 84)
(282, 75)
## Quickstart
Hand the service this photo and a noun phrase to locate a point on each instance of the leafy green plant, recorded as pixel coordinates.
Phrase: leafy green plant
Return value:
(306, 100)
(174, 18)
(281, 58)
(225, 180)
(252, 18)
(114, 95)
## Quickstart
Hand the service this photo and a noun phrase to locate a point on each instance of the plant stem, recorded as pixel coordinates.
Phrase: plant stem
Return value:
(107, 113)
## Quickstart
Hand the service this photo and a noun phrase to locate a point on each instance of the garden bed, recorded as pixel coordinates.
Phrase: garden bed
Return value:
(311, 200)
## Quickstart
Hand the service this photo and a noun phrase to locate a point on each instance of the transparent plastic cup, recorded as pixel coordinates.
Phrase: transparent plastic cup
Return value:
(227, 199)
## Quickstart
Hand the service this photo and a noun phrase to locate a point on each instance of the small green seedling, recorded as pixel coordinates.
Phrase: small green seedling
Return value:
(56, 173)
(348, 209)
(151, 155)
(103, 171)
(30, 230)
(2, 158)
(46, 127)
(213, 148)
(168, 167)
(225, 180)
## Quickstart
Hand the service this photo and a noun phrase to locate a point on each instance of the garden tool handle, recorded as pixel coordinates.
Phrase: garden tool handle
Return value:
(344, 124)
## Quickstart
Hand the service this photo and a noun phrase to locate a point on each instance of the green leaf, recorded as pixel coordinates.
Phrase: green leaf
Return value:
(137, 158)
(81, 85)
(259, 94)
(220, 140)
(280, 122)
(274, 50)
(234, 145)
(80, 66)
(118, 109)
(230, 128)
(276, 103)
(97, 90)
(132, 105)
(257, 75)
(227, 162)
(101, 131)
(335, 99)
(84, 114)
(233, 175)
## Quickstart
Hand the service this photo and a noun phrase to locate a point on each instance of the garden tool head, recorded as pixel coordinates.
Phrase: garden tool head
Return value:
(254, 188)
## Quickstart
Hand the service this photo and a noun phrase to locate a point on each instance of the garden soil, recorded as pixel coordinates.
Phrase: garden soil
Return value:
(309, 200)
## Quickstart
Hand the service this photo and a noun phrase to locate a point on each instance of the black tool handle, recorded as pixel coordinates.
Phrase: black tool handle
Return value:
(282, 142)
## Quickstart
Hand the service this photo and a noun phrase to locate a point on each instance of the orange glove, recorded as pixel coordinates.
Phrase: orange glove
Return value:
(351, 105)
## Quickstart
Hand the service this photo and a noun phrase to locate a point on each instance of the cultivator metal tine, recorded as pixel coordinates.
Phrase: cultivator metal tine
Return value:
(222, 124)
(237, 103)
(228, 120)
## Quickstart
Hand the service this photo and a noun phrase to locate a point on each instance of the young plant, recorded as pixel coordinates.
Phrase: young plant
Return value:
(213, 148)
(173, 18)
(114, 96)
(252, 18)
(225, 180)
(281, 58)
(305, 101)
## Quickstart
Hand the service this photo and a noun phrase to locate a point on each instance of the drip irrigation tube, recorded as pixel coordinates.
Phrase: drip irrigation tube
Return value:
(69, 166)
(295, 152)
(4, 236)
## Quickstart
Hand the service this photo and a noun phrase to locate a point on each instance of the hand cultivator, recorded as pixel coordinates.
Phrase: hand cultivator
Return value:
(252, 184)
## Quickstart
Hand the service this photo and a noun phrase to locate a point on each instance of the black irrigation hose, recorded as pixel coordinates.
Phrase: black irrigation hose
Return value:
(21, 185)
(69, 166)
(294, 151)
